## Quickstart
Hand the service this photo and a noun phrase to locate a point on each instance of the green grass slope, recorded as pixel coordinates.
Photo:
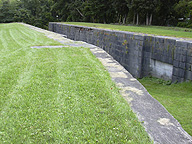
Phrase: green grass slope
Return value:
(176, 98)
(154, 30)
(60, 95)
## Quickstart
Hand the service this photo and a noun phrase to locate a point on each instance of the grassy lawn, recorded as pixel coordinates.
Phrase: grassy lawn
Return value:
(60, 95)
(176, 98)
(154, 30)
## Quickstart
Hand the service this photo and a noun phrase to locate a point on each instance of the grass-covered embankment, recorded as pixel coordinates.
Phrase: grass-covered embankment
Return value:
(176, 98)
(154, 30)
(60, 95)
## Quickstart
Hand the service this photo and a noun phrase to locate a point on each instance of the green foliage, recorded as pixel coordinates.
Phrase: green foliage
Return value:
(165, 13)
(140, 12)
(189, 26)
(119, 11)
(35, 12)
(125, 42)
(182, 24)
(6, 12)
(184, 10)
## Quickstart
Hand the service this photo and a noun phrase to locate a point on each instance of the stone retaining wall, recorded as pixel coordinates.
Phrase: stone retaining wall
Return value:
(142, 55)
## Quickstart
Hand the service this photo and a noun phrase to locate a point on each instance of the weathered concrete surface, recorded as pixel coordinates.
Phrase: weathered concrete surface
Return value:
(161, 126)
(161, 70)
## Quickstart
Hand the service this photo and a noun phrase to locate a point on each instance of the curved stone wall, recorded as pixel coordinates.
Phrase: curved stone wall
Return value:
(142, 55)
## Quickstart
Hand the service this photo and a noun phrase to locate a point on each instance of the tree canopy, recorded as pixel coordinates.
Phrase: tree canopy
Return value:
(140, 12)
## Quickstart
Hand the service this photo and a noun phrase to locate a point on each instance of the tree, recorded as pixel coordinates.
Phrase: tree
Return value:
(35, 12)
(121, 9)
(148, 10)
(40, 12)
(164, 12)
(6, 12)
(100, 11)
(142, 10)
(184, 10)
(67, 10)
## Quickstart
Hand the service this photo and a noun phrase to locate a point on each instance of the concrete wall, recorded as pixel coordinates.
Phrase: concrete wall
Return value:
(142, 55)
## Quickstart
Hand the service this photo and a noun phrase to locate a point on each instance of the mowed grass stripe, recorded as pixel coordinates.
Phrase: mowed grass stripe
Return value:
(10, 44)
(12, 57)
(14, 79)
(21, 39)
(8, 65)
(3, 44)
(38, 100)
(61, 96)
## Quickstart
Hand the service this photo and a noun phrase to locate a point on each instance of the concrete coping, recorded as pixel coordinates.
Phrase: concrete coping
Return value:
(189, 40)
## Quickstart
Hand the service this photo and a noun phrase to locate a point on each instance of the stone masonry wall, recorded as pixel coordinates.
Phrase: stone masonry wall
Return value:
(136, 52)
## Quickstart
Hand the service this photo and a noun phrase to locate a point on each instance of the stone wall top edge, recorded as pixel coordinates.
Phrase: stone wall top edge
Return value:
(185, 41)
(125, 32)
(132, 33)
